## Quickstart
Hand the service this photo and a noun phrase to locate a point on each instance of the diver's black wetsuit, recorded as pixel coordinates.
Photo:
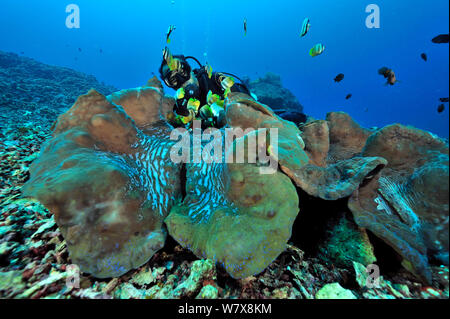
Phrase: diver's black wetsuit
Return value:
(201, 92)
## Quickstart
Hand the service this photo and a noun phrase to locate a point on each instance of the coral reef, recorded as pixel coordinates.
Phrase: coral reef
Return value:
(113, 194)
(231, 213)
(270, 91)
(346, 243)
(39, 91)
(402, 197)
(408, 207)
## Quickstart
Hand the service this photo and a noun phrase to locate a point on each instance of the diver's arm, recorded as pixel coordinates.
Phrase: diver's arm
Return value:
(181, 107)
(186, 109)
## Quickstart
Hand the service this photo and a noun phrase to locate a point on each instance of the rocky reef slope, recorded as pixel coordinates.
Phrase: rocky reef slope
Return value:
(35, 89)
(270, 91)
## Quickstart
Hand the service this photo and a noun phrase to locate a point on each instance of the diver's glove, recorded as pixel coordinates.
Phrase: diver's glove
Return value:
(190, 92)
(186, 99)
(181, 120)
(192, 107)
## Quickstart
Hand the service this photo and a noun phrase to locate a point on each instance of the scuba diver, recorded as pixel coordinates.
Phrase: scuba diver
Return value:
(200, 93)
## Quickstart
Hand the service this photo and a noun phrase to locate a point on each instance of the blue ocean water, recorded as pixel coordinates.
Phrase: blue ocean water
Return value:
(121, 44)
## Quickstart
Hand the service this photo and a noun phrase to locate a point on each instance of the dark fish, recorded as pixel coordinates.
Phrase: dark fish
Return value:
(442, 38)
(424, 57)
(441, 108)
(101, 51)
(79, 49)
(305, 27)
(169, 32)
(389, 75)
(383, 71)
(317, 50)
(444, 99)
(339, 77)
(22, 52)
(348, 97)
(245, 26)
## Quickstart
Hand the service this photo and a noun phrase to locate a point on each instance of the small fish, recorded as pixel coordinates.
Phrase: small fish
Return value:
(193, 104)
(339, 77)
(172, 63)
(214, 99)
(245, 26)
(79, 50)
(210, 99)
(169, 32)
(180, 93)
(101, 51)
(227, 82)
(444, 99)
(441, 108)
(305, 27)
(424, 57)
(187, 119)
(442, 38)
(383, 71)
(349, 96)
(317, 50)
(209, 70)
(392, 79)
(22, 52)
(388, 74)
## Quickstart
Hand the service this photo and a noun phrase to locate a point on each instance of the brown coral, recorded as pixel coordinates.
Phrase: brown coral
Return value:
(235, 215)
(145, 105)
(402, 196)
(411, 199)
(97, 176)
(347, 138)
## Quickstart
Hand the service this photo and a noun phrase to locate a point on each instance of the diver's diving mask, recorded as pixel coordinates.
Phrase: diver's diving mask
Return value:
(176, 78)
